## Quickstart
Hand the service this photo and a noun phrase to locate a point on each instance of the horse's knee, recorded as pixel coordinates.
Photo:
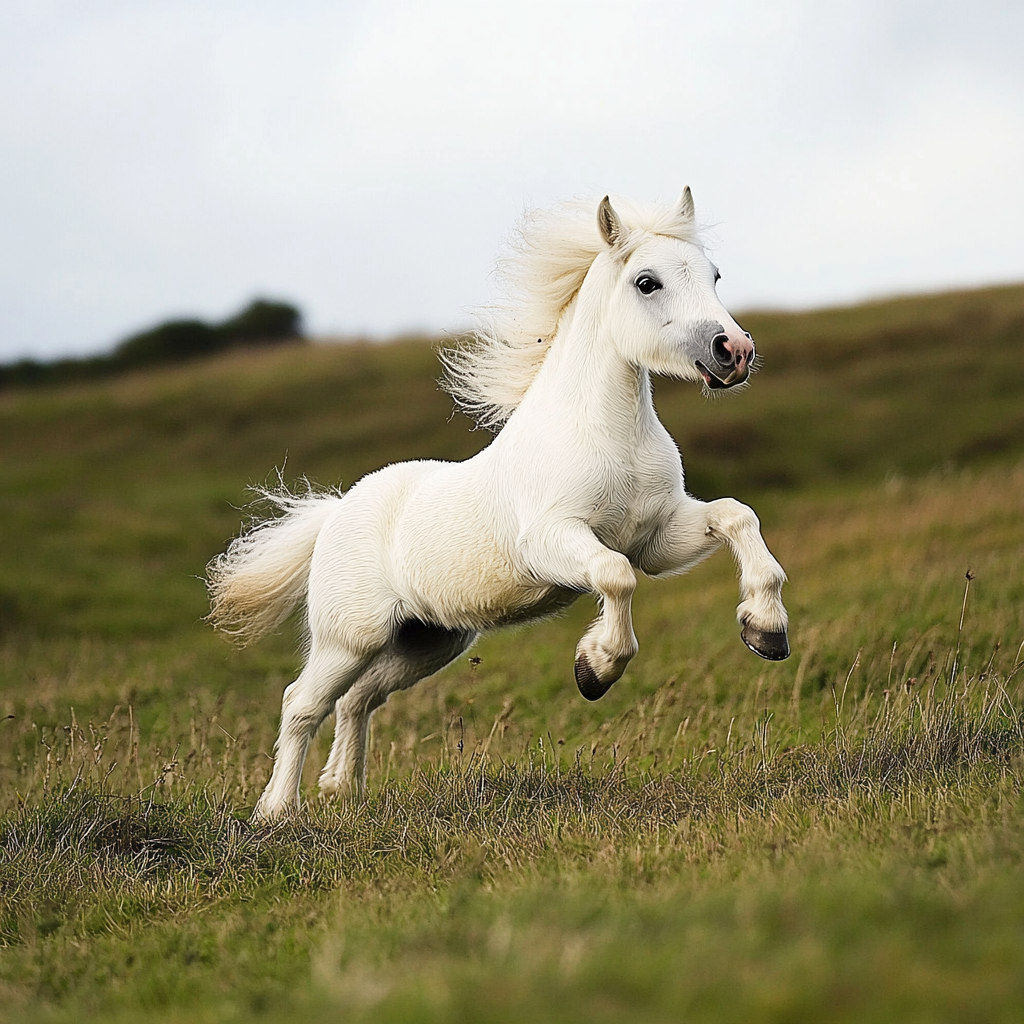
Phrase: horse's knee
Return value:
(613, 576)
(728, 517)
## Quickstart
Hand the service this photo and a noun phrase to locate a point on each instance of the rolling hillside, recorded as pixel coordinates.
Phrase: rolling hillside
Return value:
(130, 481)
(718, 839)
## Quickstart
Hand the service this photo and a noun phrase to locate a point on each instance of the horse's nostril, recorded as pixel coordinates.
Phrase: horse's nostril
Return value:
(720, 349)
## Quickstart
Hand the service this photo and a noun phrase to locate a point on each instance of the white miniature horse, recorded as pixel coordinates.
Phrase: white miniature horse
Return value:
(581, 488)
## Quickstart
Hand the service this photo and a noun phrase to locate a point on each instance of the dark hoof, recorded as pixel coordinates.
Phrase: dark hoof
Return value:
(586, 679)
(770, 646)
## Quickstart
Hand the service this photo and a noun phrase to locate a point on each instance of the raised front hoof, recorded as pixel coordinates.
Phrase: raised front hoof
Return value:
(588, 681)
(770, 645)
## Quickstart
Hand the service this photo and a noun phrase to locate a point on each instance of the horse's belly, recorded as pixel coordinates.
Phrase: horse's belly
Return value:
(460, 580)
(454, 567)
(550, 601)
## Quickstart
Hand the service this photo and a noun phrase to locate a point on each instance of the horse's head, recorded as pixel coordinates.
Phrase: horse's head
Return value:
(663, 310)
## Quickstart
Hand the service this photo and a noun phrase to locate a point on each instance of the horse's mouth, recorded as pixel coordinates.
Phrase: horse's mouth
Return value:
(714, 382)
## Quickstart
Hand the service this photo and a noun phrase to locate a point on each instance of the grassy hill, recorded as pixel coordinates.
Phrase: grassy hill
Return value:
(718, 838)
(119, 488)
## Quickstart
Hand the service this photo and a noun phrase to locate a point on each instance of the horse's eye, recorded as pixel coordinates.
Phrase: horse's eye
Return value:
(646, 284)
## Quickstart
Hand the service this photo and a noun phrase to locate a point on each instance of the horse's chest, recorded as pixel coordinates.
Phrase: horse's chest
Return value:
(628, 534)
(632, 506)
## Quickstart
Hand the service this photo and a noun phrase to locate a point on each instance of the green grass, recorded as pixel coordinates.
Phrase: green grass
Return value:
(835, 837)
(876, 868)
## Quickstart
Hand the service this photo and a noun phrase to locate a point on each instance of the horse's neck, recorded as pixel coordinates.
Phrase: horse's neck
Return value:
(587, 382)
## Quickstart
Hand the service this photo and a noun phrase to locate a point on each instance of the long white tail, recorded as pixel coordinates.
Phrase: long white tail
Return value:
(264, 573)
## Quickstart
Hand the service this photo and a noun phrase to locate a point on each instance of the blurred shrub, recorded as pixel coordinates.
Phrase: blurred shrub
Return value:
(262, 322)
(170, 342)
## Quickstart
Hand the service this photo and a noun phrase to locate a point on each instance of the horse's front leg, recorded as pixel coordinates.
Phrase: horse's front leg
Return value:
(698, 528)
(569, 555)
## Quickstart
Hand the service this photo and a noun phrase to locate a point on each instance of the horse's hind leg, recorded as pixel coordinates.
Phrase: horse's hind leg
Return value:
(328, 673)
(417, 650)
(345, 772)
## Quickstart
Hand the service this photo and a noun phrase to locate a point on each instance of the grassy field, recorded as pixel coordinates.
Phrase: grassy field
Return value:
(838, 837)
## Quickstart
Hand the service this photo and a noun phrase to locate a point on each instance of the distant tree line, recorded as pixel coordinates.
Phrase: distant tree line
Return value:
(262, 322)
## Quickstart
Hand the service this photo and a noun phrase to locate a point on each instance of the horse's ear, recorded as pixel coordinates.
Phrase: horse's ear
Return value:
(684, 208)
(608, 223)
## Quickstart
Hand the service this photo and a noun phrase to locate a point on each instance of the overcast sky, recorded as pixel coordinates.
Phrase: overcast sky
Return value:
(365, 160)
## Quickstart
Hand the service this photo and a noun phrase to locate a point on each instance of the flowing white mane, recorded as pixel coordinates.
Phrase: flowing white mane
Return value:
(548, 258)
